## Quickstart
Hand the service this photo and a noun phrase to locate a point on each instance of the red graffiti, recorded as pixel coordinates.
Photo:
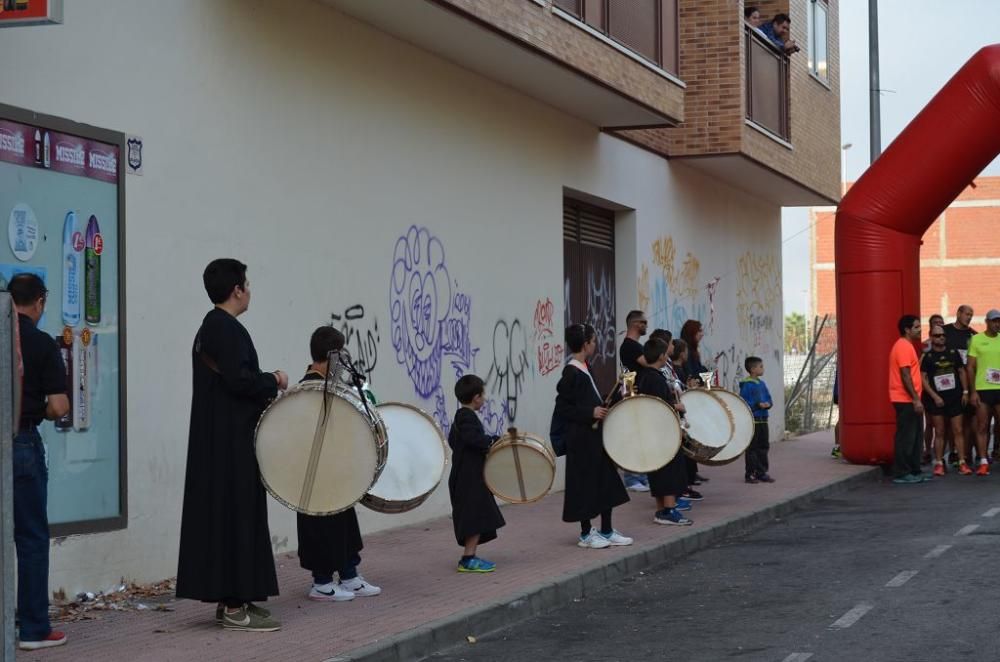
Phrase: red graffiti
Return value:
(550, 354)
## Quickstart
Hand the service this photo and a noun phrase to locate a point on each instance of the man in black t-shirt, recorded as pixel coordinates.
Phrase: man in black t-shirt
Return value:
(43, 398)
(957, 336)
(946, 394)
(630, 356)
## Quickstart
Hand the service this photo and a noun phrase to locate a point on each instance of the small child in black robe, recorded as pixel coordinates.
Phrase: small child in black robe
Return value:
(331, 543)
(668, 483)
(474, 511)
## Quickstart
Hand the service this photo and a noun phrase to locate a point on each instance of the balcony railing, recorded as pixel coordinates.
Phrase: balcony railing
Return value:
(767, 84)
(646, 27)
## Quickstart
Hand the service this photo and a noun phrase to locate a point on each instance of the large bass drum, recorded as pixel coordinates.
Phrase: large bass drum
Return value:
(710, 424)
(520, 467)
(642, 433)
(418, 456)
(320, 451)
(742, 428)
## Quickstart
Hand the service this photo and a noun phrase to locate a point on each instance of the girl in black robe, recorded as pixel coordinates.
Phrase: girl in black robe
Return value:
(474, 512)
(670, 481)
(593, 486)
(225, 544)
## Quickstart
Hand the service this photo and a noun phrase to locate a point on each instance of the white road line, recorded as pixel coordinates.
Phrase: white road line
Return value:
(798, 657)
(992, 512)
(901, 579)
(937, 551)
(852, 617)
(967, 529)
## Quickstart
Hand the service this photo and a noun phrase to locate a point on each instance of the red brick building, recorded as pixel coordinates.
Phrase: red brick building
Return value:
(959, 258)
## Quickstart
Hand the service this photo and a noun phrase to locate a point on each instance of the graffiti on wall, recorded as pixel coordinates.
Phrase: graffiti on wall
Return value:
(758, 294)
(361, 337)
(674, 294)
(548, 350)
(511, 365)
(601, 313)
(728, 366)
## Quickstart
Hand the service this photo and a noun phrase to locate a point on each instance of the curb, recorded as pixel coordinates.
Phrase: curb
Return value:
(420, 642)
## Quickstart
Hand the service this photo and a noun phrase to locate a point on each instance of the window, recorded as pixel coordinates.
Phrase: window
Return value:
(646, 27)
(818, 38)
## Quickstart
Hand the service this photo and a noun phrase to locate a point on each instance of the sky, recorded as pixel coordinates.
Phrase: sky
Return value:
(922, 43)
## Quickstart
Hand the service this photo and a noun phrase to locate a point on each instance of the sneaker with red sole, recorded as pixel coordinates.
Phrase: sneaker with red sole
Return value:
(964, 469)
(54, 639)
(938, 469)
(983, 470)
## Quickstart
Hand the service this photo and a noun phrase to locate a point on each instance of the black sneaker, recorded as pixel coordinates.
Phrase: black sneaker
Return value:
(701, 478)
(692, 495)
(765, 479)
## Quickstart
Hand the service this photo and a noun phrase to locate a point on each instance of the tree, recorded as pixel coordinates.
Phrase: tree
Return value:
(796, 340)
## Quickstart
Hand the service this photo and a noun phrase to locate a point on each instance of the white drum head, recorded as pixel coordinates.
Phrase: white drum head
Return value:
(742, 427)
(709, 421)
(416, 461)
(520, 471)
(345, 463)
(642, 434)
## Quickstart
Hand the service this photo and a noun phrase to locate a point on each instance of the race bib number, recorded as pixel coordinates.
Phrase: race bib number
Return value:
(964, 353)
(944, 382)
(993, 376)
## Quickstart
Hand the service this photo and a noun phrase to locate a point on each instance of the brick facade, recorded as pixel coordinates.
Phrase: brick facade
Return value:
(539, 27)
(959, 257)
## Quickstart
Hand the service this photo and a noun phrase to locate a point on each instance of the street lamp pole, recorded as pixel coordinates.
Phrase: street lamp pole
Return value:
(875, 113)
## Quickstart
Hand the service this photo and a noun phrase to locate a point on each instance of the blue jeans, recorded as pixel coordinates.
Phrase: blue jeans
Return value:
(632, 479)
(31, 536)
(349, 571)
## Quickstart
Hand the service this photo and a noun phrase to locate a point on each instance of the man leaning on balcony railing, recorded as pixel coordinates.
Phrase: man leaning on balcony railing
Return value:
(777, 32)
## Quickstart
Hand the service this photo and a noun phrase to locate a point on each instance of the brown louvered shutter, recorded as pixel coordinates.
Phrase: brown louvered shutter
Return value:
(572, 6)
(635, 23)
(589, 281)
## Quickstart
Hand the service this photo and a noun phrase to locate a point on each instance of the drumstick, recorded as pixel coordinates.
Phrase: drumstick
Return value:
(607, 401)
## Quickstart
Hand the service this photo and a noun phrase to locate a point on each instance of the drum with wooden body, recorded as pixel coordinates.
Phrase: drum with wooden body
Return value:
(710, 424)
(319, 451)
(520, 467)
(742, 428)
(642, 433)
(418, 456)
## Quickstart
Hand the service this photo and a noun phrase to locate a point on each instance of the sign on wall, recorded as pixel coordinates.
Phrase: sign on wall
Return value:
(30, 12)
(59, 198)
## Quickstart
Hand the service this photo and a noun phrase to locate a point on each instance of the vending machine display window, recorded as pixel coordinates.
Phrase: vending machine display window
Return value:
(62, 194)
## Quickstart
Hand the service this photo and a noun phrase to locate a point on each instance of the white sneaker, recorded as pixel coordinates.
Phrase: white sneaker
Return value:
(637, 487)
(360, 587)
(330, 593)
(616, 539)
(593, 540)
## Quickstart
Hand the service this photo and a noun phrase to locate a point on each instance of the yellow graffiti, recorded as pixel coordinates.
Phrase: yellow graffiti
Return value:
(758, 292)
(643, 288)
(681, 281)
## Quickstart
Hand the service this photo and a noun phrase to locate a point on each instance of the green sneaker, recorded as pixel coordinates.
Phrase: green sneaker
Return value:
(247, 620)
(908, 479)
(835, 453)
(254, 609)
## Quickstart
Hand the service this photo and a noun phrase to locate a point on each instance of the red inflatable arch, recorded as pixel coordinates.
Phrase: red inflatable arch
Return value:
(879, 227)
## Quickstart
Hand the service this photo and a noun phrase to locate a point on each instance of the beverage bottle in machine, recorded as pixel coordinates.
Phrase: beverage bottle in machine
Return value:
(92, 271)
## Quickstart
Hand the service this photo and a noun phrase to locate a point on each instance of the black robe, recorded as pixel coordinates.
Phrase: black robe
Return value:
(671, 479)
(473, 508)
(327, 543)
(225, 545)
(593, 485)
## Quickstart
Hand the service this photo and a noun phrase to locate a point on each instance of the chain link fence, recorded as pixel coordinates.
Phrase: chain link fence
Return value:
(808, 380)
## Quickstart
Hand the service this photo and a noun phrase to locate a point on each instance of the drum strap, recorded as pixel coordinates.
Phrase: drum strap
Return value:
(517, 468)
(309, 481)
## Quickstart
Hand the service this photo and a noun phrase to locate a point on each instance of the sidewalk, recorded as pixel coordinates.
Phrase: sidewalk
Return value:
(426, 605)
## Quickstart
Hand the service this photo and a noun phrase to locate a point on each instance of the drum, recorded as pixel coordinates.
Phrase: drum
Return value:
(742, 428)
(418, 456)
(316, 457)
(642, 433)
(520, 467)
(710, 424)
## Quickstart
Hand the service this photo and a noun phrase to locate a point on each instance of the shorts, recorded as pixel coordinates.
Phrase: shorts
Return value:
(951, 408)
(990, 398)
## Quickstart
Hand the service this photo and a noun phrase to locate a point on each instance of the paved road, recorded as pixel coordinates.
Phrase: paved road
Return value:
(882, 573)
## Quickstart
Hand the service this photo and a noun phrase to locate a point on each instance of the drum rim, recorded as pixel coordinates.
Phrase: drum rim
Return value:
(673, 411)
(547, 452)
(742, 402)
(729, 414)
(374, 422)
(371, 501)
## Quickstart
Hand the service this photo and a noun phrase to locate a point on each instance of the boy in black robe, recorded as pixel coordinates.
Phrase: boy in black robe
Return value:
(669, 482)
(225, 546)
(474, 511)
(331, 543)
